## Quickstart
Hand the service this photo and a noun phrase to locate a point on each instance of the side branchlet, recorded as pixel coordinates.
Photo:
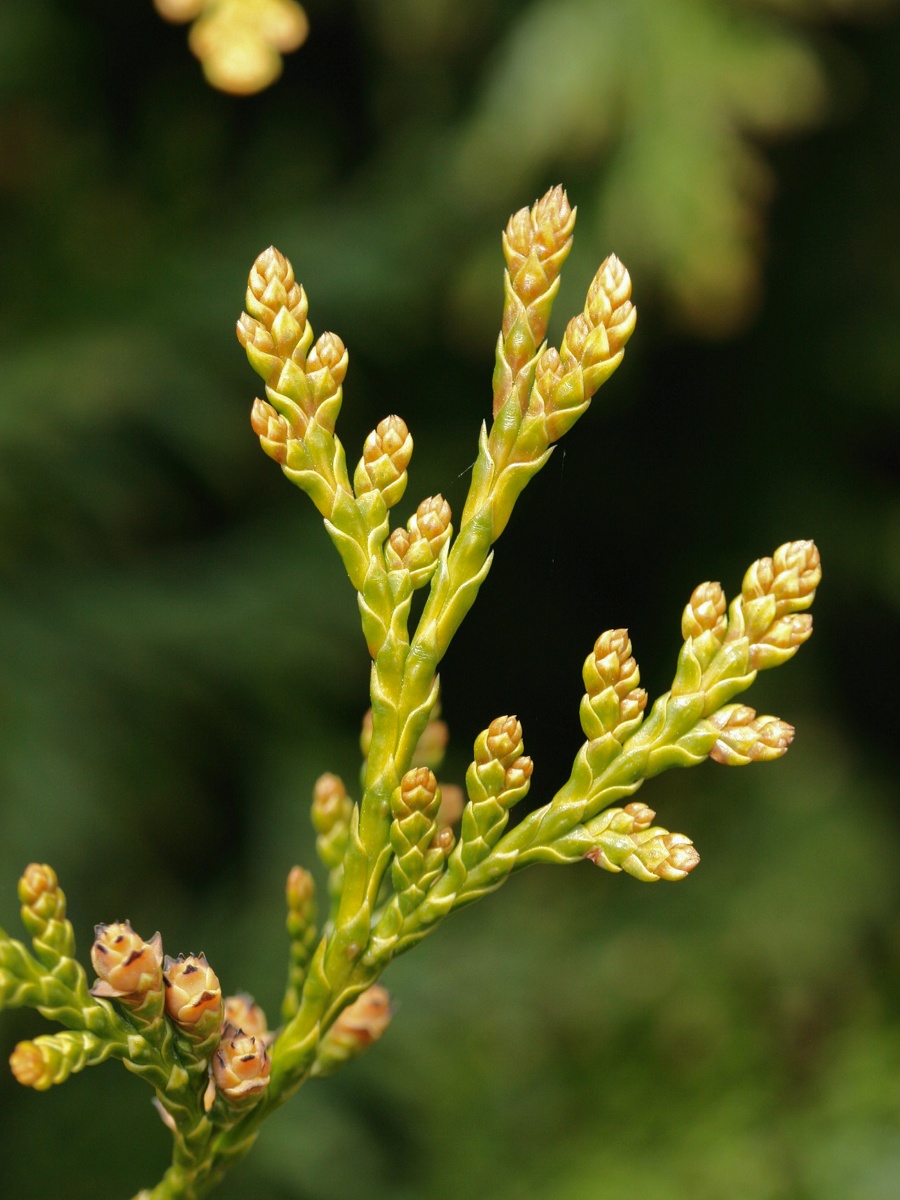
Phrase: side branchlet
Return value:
(412, 850)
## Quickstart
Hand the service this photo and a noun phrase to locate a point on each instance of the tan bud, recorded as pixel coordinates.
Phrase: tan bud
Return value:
(192, 990)
(791, 576)
(781, 641)
(28, 1066)
(418, 792)
(431, 522)
(331, 805)
(127, 967)
(429, 530)
(453, 801)
(386, 455)
(642, 816)
(240, 1065)
(503, 742)
(272, 287)
(444, 840)
(38, 880)
(518, 773)
(328, 354)
(243, 1013)
(545, 229)
(680, 860)
(632, 705)
(299, 890)
(705, 612)
(746, 738)
(609, 291)
(271, 428)
(366, 1019)
(548, 374)
(396, 549)
(612, 665)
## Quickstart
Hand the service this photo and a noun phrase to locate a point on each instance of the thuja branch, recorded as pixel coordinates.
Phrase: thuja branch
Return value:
(412, 849)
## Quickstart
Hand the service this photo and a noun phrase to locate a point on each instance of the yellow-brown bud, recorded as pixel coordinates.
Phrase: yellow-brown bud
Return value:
(680, 859)
(418, 792)
(241, 1065)
(38, 880)
(544, 230)
(366, 1019)
(243, 1013)
(453, 801)
(271, 428)
(781, 641)
(791, 575)
(502, 741)
(431, 523)
(417, 549)
(328, 354)
(611, 665)
(28, 1066)
(386, 455)
(272, 289)
(518, 773)
(300, 889)
(705, 612)
(128, 968)
(444, 840)
(193, 993)
(331, 805)
(745, 738)
(641, 815)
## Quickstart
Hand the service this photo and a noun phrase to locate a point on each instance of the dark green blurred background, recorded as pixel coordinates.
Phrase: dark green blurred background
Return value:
(180, 655)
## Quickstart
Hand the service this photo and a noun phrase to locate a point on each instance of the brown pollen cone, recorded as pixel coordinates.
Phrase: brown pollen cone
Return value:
(193, 992)
(127, 967)
(240, 1065)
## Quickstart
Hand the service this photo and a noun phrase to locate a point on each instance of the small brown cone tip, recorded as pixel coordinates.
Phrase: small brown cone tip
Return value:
(127, 967)
(192, 989)
(242, 1012)
(241, 1065)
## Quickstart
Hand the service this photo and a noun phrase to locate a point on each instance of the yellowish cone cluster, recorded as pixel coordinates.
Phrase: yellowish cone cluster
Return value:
(240, 43)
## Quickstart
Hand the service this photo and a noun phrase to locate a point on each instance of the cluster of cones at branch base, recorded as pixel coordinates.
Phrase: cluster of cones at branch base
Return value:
(135, 973)
(227, 1036)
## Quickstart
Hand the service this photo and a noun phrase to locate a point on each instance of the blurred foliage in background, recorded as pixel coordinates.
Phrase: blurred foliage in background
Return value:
(180, 655)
